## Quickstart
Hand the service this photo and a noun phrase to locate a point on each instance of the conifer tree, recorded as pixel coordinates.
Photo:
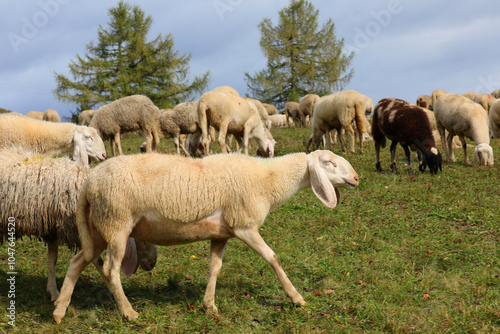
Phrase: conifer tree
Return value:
(301, 57)
(123, 62)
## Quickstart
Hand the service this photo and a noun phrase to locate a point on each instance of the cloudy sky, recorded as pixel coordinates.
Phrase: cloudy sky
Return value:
(403, 48)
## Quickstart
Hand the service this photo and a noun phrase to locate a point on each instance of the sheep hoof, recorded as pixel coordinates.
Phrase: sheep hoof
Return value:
(211, 309)
(300, 303)
(378, 166)
(58, 316)
(132, 315)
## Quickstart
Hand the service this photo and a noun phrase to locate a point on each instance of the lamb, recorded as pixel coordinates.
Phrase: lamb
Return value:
(51, 138)
(408, 125)
(215, 198)
(464, 118)
(306, 104)
(35, 114)
(485, 100)
(128, 114)
(183, 119)
(51, 115)
(292, 112)
(25, 180)
(494, 118)
(85, 117)
(424, 101)
(338, 111)
(231, 114)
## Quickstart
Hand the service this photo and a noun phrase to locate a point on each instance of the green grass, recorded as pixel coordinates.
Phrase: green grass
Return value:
(405, 252)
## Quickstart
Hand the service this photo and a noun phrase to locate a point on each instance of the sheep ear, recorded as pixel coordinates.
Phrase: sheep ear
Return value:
(80, 151)
(130, 262)
(320, 184)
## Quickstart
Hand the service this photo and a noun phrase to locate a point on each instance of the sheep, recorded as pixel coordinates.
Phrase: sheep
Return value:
(470, 95)
(183, 119)
(485, 100)
(35, 114)
(496, 93)
(278, 121)
(85, 117)
(264, 116)
(338, 111)
(226, 90)
(215, 198)
(464, 118)
(271, 110)
(408, 125)
(494, 118)
(51, 138)
(292, 112)
(41, 194)
(51, 115)
(128, 114)
(436, 94)
(424, 101)
(306, 104)
(231, 114)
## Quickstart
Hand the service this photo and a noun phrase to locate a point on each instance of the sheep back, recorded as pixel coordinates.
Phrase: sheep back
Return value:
(51, 115)
(41, 194)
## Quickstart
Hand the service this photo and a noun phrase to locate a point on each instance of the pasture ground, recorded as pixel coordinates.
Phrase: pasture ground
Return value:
(405, 252)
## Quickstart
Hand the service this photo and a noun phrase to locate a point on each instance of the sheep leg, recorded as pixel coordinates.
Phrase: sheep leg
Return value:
(178, 144)
(76, 265)
(254, 240)
(341, 139)
(112, 144)
(328, 139)
(377, 155)
(118, 143)
(51, 282)
(408, 155)
(222, 136)
(216, 252)
(464, 146)
(111, 271)
(350, 131)
(183, 146)
(149, 143)
(451, 155)
(393, 156)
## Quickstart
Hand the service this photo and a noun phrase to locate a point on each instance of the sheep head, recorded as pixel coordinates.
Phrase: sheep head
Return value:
(88, 144)
(433, 159)
(483, 155)
(327, 171)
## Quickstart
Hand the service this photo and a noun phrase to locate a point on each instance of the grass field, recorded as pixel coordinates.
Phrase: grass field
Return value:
(405, 252)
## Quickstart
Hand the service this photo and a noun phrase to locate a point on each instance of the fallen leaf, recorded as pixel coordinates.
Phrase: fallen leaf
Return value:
(191, 307)
(317, 294)
(426, 296)
(329, 291)
(188, 277)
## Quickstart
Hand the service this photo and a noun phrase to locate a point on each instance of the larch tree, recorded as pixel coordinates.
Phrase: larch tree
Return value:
(123, 63)
(301, 57)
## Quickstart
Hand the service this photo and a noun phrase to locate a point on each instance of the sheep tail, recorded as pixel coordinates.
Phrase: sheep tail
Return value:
(202, 115)
(83, 224)
(359, 110)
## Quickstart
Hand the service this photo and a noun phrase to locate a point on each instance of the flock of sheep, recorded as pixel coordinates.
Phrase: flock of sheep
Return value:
(125, 207)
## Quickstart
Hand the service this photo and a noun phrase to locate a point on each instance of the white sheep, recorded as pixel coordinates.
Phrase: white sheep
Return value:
(306, 104)
(85, 117)
(51, 138)
(464, 118)
(35, 114)
(271, 110)
(484, 100)
(496, 93)
(494, 118)
(338, 111)
(231, 114)
(128, 114)
(470, 95)
(424, 101)
(264, 116)
(292, 113)
(215, 198)
(436, 94)
(40, 194)
(51, 115)
(278, 121)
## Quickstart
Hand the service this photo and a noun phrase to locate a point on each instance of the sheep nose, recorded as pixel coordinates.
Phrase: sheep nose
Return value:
(104, 156)
(356, 178)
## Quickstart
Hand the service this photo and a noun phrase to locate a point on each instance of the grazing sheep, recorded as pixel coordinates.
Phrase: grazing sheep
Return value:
(292, 112)
(231, 114)
(464, 118)
(436, 94)
(85, 117)
(338, 111)
(41, 193)
(128, 114)
(51, 138)
(226, 90)
(215, 198)
(271, 110)
(183, 119)
(484, 100)
(494, 118)
(306, 105)
(264, 116)
(496, 93)
(51, 115)
(278, 121)
(408, 125)
(424, 101)
(35, 115)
